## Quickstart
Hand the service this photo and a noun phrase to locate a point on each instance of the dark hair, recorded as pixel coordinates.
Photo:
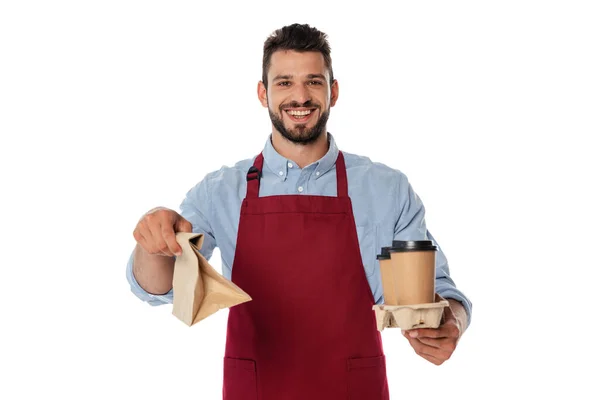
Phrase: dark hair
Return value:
(299, 38)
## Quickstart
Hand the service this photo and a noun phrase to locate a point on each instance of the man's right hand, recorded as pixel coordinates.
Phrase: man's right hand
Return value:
(155, 231)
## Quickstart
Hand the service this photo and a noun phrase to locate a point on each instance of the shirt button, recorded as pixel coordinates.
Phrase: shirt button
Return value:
(300, 189)
(280, 173)
(290, 165)
(318, 173)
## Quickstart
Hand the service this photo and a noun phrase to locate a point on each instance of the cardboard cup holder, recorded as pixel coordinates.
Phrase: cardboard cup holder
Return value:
(408, 317)
(408, 279)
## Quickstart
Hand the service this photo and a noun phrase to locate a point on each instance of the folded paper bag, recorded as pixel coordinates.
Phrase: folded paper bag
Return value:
(198, 290)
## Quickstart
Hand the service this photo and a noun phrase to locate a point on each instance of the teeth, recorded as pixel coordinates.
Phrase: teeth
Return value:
(299, 113)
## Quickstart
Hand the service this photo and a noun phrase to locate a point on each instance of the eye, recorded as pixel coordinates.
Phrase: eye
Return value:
(315, 83)
(284, 83)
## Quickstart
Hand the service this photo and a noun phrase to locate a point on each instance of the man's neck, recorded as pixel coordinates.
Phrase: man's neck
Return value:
(301, 154)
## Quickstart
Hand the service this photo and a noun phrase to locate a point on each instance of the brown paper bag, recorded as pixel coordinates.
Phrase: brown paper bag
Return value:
(198, 290)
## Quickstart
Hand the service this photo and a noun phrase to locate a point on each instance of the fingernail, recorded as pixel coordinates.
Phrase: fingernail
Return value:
(178, 253)
(414, 334)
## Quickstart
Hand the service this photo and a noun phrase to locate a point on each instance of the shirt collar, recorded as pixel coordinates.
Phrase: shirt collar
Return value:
(279, 164)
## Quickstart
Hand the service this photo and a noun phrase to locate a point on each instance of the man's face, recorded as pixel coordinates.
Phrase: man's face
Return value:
(299, 95)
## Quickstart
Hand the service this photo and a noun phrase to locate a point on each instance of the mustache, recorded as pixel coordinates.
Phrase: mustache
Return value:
(295, 104)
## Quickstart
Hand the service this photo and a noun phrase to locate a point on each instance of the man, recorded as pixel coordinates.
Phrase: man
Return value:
(299, 227)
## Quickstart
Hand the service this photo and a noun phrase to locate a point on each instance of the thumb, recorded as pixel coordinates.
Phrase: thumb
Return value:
(183, 225)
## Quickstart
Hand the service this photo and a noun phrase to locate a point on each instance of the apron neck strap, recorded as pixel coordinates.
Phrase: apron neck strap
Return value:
(255, 173)
(253, 177)
(342, 179)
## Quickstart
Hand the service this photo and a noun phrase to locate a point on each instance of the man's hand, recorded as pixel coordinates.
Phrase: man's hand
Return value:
(437, 345)
(155, 231)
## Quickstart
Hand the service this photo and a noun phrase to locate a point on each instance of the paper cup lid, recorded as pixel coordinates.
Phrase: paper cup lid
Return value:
(385, 254)
(412, 245)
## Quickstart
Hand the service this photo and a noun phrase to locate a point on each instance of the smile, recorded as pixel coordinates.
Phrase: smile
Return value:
(300, 115)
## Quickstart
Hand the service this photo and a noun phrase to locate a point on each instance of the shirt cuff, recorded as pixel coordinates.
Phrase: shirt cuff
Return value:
(152, 299)
(447, 291)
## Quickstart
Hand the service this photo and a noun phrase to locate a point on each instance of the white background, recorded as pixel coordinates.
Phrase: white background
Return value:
(110, 108)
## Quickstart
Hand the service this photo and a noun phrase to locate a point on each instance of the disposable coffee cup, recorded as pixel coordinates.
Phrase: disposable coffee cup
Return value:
(413, 271)
(387, 276)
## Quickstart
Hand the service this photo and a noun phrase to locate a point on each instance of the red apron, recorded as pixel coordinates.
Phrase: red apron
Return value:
(309, 332)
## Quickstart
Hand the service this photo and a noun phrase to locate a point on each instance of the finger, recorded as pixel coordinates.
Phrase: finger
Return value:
(437, 343)
(431, 349)
(156, 242)
(445, 347)
(428, 333)
(168, 235)
(446, 330)
(183, 225)
(144, 238)
(425, 350)
(161, 243)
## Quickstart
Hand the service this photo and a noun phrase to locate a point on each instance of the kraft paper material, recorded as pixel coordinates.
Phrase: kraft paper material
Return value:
(198, 289)
(408, 317)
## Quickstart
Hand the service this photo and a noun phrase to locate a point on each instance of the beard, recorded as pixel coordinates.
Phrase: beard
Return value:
(300, 134)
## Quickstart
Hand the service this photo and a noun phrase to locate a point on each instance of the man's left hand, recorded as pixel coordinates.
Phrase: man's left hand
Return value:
(437, 345)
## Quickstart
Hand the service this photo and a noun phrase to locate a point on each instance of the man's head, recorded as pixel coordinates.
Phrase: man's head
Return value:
(298, 86)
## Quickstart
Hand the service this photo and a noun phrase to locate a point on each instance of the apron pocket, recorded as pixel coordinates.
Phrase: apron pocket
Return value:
(367, 379)
(239, 379)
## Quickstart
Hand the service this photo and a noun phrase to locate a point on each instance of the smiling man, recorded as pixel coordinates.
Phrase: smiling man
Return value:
(299, 227)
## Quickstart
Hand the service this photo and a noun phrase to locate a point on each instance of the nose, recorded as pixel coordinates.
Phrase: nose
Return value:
(301, 94)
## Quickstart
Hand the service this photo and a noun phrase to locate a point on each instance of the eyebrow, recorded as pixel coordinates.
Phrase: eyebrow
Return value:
(309, 76)
(282, 77)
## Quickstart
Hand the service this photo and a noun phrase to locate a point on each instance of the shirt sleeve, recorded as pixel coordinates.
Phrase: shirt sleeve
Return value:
(411, 226)
(196, 208)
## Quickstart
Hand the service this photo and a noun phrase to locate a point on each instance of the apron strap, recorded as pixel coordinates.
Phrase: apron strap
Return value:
(253, 177)
(255, 173)
(342, 179)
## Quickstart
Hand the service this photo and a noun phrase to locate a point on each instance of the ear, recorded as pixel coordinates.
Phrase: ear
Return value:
(261, 90)
(335, 92)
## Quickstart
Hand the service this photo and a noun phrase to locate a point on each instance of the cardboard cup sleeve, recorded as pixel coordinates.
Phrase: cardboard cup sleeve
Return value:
(198, 289)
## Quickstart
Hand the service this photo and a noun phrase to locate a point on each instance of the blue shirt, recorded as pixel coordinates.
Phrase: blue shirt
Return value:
(384, 204)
